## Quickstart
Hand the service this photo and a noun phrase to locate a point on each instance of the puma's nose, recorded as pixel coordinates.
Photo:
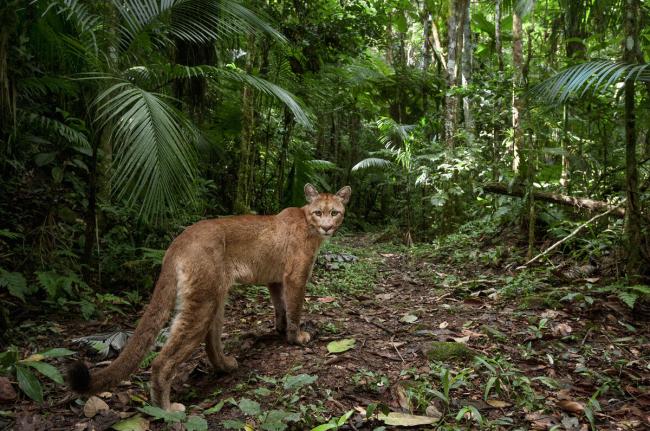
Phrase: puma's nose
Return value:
(327, 228)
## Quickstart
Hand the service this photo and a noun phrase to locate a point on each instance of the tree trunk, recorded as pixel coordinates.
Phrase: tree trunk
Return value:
(517, 84)
(437, 46)
(466, 70)
(497, 34)
(288, 123)
(574, 31)
(456, 12)
(91, 214)
(242, 195)
(633, 210)
(564, 176)
(426, 54)
(556, 198)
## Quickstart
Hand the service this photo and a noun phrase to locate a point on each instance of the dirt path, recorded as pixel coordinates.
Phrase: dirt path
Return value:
(550, 352)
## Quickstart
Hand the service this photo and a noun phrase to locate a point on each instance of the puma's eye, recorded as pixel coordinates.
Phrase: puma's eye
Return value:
(318, 213)
(334, 213)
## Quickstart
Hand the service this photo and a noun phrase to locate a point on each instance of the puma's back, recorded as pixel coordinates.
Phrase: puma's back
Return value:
(199, 267)
(256, 249)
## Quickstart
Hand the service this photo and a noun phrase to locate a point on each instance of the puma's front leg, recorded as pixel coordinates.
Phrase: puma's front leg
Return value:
(278, 304)
(294, 296)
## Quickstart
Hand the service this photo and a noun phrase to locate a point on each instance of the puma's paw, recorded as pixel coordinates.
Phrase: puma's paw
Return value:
(300, 338)
(229, 364)
(281, 329)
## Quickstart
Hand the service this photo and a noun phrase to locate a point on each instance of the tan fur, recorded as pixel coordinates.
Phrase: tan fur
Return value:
(199, 268)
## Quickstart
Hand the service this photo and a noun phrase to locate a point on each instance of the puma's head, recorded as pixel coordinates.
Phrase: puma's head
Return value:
(325, 211)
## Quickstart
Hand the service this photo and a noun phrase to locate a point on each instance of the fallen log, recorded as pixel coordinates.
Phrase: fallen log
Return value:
(557, 198)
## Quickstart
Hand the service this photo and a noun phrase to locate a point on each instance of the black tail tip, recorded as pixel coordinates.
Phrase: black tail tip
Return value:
(79, 377)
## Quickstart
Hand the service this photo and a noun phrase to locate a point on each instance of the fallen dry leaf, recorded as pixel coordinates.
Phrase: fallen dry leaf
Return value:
(7, 391)
(385, 296)
(471, 334)
(550, 314)
(93, 406)
(571, 406)
(403, 399)
(461, 340)
(326, 299)
(177, 407)
(443, 325)
(562, 330)
(498, 404)
(433, 412)
(539, 421)
(406, 420)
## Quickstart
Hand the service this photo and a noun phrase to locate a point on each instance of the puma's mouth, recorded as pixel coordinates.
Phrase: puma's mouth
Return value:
(325, 234)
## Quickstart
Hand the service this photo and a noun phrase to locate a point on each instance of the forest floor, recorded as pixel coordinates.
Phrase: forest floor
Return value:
(443, 337)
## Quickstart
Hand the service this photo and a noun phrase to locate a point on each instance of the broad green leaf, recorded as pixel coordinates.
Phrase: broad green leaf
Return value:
(196, 423)
(230, 424)
(8, 358)
(15, 283)
(262, 392)
(45, 369)
(340, 346)
(325, 427)
(57, 352)
(158, 413)
(28, 383)
(215, 408)
(296, 382)
(134, 423)
(249, 407)
(344, 418)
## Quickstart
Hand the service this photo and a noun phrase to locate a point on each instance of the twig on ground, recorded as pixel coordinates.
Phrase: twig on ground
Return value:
(372, 322)
(397, 350)
(566, 238)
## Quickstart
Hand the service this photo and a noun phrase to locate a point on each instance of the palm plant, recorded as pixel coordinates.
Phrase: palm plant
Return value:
(589, 76)
(152, 141)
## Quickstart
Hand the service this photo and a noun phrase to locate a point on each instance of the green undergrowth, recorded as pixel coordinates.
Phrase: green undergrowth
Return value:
(358, 276)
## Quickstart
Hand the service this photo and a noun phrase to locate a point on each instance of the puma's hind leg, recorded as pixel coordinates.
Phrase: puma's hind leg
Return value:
(278, 304)
(213, 346)
(188, 330)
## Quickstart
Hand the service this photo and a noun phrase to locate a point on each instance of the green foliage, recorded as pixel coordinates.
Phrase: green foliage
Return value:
(28, 382)
(334, 423)
(15, 284)
(505, 380)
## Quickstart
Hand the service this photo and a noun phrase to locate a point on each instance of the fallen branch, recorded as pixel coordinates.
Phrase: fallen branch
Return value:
(566, 238)
(583, 203)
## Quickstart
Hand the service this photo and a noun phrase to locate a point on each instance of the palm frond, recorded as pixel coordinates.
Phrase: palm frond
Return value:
(524, 7)
(237, 75)
(195, 21)
(320, 165)
(69, 134)
(591, 75)
(155, 160)
(371, 162)
(77, 12)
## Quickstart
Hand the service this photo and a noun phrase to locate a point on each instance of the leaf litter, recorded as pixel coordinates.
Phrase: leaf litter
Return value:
(580, 363)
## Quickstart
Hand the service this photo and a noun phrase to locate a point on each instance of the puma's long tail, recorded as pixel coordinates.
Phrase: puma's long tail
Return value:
(82, 381)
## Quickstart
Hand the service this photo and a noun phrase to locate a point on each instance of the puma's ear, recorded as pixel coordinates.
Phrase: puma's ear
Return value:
(344, 194)
(310, 192)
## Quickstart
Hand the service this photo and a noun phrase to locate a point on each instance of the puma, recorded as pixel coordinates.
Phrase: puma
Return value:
(199, 268)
